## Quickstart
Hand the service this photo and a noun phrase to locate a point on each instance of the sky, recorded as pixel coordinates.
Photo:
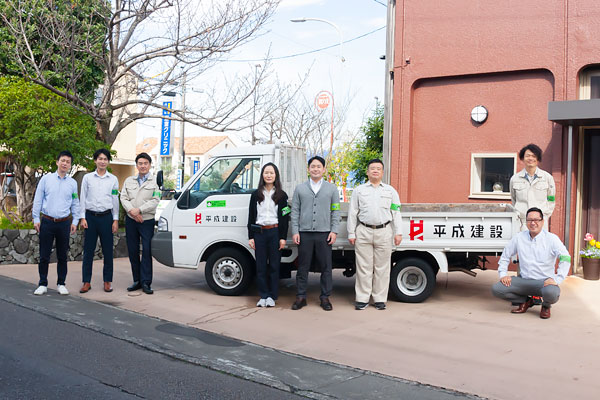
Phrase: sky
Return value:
(359, 79)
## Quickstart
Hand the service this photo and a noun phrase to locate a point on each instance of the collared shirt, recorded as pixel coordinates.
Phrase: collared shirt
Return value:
(374, 205)
(539, 192)
(100, 193)
(56, 197)
(537, 256)
(316, 186)
(142, 178)
(266, 212)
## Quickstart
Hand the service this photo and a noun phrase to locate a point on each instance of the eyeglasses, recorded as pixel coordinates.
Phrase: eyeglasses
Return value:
(536, 220)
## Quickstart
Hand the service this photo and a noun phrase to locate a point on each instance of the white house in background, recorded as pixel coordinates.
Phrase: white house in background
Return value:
(197, 148)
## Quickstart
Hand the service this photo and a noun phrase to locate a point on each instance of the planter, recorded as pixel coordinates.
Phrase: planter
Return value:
(591, 268)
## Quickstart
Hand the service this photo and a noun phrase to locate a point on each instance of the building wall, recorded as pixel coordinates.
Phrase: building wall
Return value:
(511, 56)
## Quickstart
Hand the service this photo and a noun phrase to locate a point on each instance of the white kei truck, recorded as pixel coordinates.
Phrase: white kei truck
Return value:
(207, 222)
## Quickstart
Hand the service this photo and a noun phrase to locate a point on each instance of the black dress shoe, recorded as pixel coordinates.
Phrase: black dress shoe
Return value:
(326, 304)
(299, 303)
(135, 286)
(146, 288)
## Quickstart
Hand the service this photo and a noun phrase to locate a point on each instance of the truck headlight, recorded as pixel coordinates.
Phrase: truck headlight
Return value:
(163, 225)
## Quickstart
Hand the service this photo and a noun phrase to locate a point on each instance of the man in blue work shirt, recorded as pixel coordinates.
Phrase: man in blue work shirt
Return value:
(99, 217)
(538, 250)
(55, 217)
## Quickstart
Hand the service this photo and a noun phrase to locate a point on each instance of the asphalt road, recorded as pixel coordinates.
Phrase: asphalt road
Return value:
(45, 358)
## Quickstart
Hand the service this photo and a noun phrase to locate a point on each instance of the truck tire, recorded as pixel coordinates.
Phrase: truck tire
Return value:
(228, 271)
(412, 280)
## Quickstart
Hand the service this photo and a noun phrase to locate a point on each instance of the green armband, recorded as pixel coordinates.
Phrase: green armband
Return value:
(550, 198)
(285, 211)
(74, 196)
(564, 258)
(335, 206)
(395, 207)
(115, 192)
(156, 194)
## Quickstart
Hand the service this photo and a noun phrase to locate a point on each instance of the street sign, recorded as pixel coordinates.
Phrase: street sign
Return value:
(179, 179)
(196, 166)
(165, 132)
(322, 100)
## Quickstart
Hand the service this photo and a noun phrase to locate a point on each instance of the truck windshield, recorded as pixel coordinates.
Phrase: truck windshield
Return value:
(226, 176)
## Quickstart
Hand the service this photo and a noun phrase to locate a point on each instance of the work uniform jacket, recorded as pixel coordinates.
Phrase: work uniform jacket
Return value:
(145, 196)
(540, 192)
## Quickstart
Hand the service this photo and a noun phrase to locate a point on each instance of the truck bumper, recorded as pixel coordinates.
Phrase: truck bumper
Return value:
(162, 248)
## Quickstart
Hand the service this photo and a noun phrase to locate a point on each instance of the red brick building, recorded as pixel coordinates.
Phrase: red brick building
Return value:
(521, 60)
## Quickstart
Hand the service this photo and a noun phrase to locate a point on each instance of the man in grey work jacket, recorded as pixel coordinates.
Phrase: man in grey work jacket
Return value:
(315, 221)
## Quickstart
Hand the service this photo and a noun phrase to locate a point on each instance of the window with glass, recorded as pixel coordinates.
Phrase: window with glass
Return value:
(224, 176)
(490, 175)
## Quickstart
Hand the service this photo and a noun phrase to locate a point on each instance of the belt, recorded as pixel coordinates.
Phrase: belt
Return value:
(98, 213)
(56, 219)
(269, 226)
(374, 226)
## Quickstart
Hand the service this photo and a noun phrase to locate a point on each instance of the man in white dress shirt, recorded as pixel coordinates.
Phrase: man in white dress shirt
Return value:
(99, 217)
(374, 222)
(538, 250)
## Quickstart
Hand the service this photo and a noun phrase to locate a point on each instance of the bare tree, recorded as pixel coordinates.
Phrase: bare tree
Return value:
(143, 48)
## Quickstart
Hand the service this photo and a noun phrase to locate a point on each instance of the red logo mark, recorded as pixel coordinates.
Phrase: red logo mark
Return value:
(416, 230)
(198, 218)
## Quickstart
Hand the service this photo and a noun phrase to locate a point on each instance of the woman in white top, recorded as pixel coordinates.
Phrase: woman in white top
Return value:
(268, 217)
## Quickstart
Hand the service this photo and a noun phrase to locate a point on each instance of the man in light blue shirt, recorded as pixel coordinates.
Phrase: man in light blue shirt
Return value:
(99, 218)
(538, 250)
(55, 217)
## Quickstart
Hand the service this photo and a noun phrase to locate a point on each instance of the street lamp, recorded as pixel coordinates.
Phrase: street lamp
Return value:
(329, 23)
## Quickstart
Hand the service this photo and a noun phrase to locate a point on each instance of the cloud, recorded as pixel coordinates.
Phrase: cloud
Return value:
(298, 3)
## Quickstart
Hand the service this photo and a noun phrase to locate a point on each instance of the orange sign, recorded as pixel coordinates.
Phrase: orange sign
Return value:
(322, 100)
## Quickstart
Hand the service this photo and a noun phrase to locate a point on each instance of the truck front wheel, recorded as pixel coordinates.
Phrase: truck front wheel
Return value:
(412, 280)
(228, 272)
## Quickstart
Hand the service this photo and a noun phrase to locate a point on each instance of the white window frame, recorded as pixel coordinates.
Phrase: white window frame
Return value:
(475, 189)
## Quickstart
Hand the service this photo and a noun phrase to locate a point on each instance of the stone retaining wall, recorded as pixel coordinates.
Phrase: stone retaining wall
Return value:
(22, 247)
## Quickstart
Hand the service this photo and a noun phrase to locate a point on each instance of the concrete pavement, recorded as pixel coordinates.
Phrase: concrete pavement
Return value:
(461, 339)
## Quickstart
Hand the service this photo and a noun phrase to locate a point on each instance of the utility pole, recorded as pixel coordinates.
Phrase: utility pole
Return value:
(182, 130)
(256, 67)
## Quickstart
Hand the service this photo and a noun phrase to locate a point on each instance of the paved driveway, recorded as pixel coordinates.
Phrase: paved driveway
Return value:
(461, 338)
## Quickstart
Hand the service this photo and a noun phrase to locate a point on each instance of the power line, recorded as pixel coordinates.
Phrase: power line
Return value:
(378, 2)
(311, 51)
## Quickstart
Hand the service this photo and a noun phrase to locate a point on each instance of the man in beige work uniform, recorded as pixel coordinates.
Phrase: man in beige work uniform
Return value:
(532, 187)
(140, 197)
(374, 222)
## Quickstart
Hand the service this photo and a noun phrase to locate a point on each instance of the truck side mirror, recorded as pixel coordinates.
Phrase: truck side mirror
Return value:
(159, 179)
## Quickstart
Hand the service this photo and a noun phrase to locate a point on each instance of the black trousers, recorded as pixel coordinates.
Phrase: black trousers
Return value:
(141, 270)
(49, 232)
(267, 274)
(314, 247)
(100, 225)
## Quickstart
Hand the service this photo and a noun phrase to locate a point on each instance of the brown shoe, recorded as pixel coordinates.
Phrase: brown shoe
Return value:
(523, 307)
(545, 313)
(85, 288)
(299, 303)
(107, 287)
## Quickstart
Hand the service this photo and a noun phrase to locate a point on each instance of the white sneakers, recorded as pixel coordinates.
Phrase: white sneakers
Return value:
(41, 290)
(268, 302)
(62, 289)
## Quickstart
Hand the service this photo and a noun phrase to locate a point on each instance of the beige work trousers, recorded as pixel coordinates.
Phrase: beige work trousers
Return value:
(373, 262)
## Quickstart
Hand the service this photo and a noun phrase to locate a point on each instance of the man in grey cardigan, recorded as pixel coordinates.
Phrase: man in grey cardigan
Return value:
(315, 222)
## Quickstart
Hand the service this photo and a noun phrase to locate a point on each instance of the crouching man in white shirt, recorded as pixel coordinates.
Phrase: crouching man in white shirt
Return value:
(538, 250)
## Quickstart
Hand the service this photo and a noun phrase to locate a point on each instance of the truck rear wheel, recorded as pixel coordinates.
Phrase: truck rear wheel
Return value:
(412, 280)
(228, 271)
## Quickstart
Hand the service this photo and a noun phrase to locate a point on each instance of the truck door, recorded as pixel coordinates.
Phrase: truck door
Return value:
(214, 207)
